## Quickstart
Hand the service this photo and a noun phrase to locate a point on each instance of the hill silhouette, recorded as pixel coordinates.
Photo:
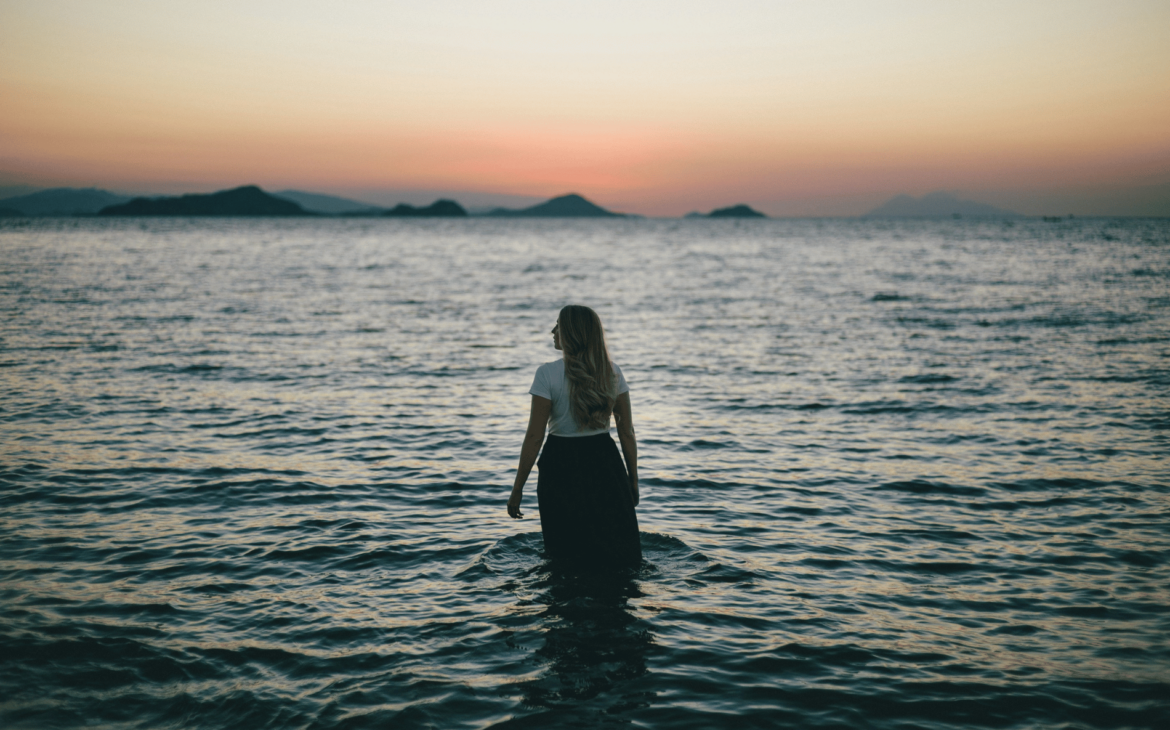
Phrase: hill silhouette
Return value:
(437, 209)
(736, 211)
(248, 200)
(565, 206)
(63, 201)
(936, 205)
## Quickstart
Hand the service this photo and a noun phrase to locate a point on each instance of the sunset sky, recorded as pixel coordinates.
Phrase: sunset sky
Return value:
(798, 108)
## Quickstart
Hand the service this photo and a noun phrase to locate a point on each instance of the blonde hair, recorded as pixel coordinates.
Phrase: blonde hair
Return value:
(592, 381)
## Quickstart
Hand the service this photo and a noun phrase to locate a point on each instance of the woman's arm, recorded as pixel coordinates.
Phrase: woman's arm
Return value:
(533, 438)
(625, 429)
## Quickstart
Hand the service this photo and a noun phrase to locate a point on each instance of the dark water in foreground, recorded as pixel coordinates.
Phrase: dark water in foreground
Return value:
(895, 475)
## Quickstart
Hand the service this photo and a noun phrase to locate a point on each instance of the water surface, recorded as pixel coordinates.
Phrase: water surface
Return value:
(895, 474)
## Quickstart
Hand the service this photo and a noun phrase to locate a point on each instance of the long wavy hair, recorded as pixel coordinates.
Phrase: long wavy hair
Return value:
(592, 381)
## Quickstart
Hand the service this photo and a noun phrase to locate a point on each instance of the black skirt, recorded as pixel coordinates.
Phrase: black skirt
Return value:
(586, 508)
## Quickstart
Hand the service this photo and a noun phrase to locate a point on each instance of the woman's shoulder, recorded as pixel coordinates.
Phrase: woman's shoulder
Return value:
(552, 367)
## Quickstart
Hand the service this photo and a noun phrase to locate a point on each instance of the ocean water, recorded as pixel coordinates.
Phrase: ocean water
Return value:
(904, 474)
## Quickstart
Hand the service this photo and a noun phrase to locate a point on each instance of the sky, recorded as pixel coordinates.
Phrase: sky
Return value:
(656, 108)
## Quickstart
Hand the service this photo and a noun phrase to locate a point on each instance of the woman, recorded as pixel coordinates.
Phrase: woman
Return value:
(586, 498)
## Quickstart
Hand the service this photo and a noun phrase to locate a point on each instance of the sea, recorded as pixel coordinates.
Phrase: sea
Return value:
(896, 474)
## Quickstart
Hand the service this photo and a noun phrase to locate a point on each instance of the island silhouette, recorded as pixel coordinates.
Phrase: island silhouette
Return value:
(564, 206)
(248, 200)
(439, 209)
(251, 200)
(735, 211)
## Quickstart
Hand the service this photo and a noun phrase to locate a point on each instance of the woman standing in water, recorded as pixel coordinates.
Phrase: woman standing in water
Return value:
(586, 497)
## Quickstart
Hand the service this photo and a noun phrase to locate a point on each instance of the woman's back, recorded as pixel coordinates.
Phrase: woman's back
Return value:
(551, 382)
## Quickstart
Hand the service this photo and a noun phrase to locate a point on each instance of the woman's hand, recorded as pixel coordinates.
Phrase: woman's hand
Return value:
(634, 490)
(514, 504)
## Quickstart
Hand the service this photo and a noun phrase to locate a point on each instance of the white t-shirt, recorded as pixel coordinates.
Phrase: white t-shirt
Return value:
(550, 382)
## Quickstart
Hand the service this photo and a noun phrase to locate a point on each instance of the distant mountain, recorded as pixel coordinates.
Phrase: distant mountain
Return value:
(736, 211)
(566, 206)
(63, 201)
(937, 205)
(11, 191)
(248, 200)
(327, 204)
(437, 209)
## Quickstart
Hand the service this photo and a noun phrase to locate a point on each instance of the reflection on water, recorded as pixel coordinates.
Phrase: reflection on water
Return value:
(583, 642)
(592, 645)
